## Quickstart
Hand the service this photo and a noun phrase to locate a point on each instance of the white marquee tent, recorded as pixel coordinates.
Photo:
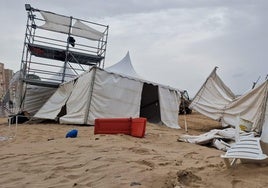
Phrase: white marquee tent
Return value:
(108, 93)
(124, 67)
(216, 101)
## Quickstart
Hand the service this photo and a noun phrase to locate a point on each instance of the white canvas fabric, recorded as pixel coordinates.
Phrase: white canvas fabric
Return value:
(35, 97)
(55, 22)
(53, 106)
(250, 106)
(213, 96)
(15, 78)
(100, 94)
(32, 99)
(78, 102)
(169, 108)
(205, 138)
(15, 97)
(58, 23)
(215, 101)
(264, 135)
(114, 96)
(83, 30)
(124, 67)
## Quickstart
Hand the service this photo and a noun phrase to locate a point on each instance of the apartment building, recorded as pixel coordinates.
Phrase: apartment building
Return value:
(5, 77)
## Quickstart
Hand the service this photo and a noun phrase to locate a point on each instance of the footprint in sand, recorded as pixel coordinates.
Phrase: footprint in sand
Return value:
(235, 183)
(140, 150)
(193, 155)
(146, 163)
(186, 177)
(164, 163)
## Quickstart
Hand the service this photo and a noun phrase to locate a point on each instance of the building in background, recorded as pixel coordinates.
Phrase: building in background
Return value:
(5, 77)
(8, 75)
(2, 79)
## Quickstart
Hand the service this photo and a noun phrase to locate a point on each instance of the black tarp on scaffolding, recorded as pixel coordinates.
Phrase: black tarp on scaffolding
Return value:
(60, 54)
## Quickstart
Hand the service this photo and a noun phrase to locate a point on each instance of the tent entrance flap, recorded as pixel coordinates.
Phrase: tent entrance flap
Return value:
(150, 108)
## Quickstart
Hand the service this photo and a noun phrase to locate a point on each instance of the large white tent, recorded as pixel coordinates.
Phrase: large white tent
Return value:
(124, 67)
(107, 93)
(216, 101)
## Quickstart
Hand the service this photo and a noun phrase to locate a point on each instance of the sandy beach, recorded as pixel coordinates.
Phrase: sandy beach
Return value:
(41, 156)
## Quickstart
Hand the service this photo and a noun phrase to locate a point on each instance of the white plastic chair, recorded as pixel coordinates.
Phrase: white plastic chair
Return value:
(245, 148)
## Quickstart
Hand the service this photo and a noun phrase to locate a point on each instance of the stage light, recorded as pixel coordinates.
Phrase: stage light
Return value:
(28, 7)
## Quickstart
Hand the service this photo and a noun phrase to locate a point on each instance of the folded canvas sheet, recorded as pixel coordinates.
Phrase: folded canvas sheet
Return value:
(215, 137)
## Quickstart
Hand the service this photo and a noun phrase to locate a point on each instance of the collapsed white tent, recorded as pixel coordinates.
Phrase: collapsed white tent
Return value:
(216, 101)
(104, 94)
(26, 98)
(29, 98)
(212, 97)
(34, 96)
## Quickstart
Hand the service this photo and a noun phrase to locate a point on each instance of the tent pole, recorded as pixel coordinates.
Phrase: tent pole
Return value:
(184, 113)
(264, 109)
(90, 94)
(67, 51)
(237, 129)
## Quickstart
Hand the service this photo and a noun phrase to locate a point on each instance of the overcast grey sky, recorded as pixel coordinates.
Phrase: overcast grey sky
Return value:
(172, 42)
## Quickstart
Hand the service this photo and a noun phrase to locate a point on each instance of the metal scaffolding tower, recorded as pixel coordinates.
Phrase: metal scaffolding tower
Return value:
(58, 48)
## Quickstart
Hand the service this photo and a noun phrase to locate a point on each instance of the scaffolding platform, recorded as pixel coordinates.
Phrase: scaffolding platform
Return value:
(42, 83)
(60, 54)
